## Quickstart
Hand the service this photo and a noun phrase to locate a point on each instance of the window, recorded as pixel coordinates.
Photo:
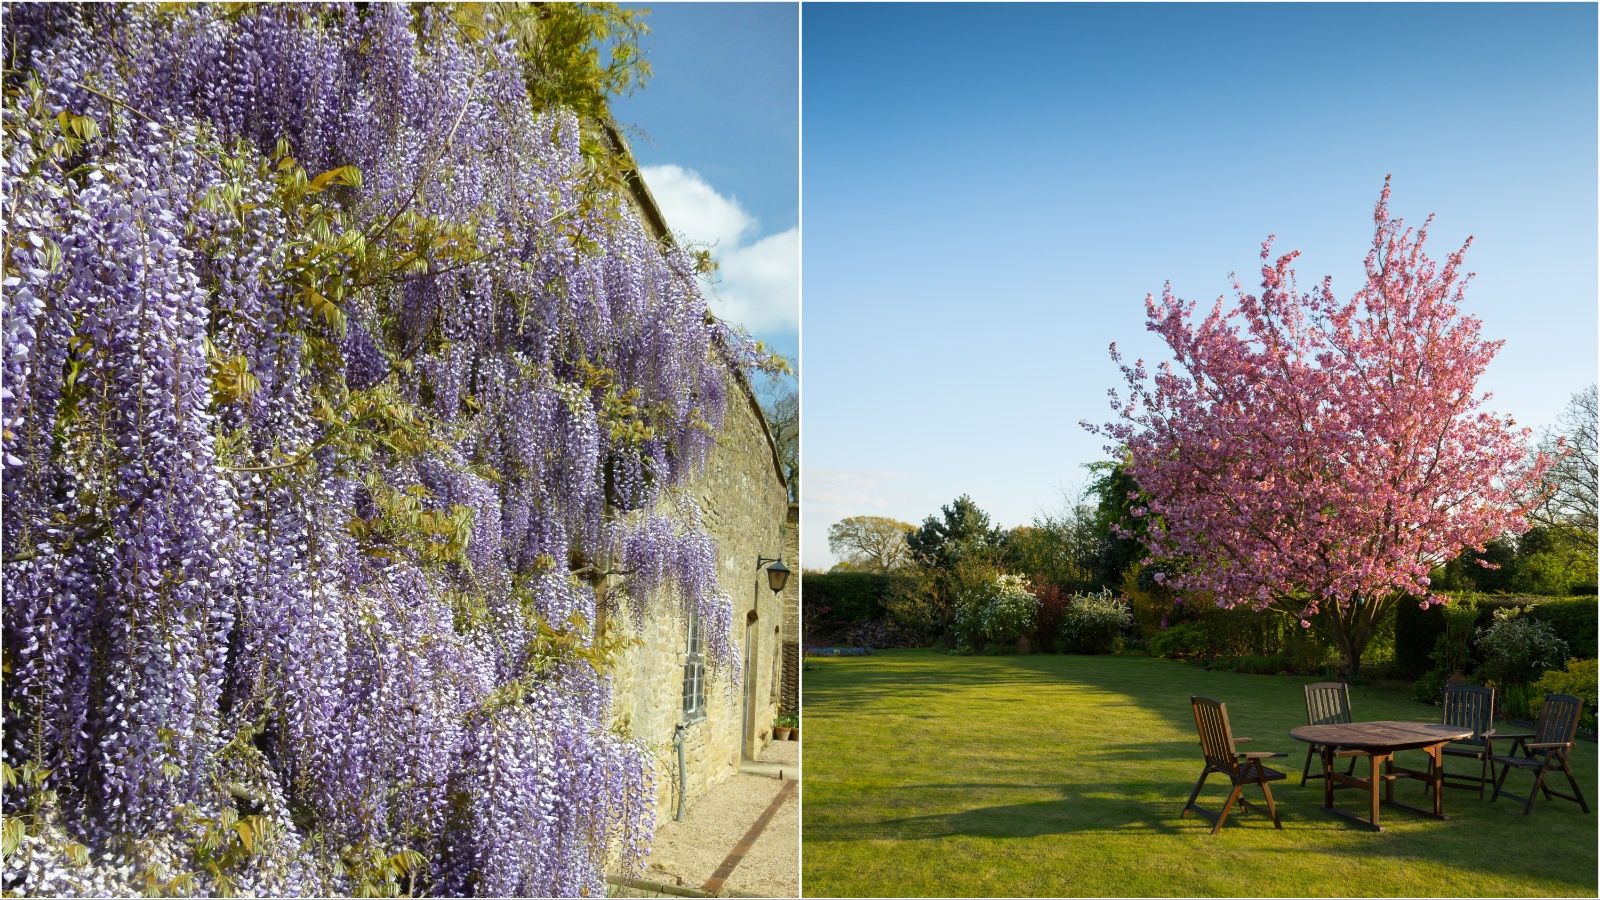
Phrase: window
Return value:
(694, 672)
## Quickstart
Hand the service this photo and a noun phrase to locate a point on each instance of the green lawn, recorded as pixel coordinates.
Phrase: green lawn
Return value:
(935, 775)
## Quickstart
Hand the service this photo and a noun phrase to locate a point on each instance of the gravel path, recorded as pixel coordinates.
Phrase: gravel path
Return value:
(686, 853)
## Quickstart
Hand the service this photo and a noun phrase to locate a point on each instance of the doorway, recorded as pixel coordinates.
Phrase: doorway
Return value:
(747, 733)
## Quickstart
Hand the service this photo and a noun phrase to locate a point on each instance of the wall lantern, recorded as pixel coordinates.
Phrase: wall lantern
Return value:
(777, 573)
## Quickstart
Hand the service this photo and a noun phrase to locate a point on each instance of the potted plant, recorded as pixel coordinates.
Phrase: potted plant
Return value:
(786, 728)
(794, 730)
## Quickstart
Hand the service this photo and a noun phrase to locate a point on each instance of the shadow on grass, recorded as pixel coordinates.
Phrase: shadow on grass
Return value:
(1072, 812)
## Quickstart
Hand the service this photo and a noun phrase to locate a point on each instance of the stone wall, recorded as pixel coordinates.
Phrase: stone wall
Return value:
(744, 504)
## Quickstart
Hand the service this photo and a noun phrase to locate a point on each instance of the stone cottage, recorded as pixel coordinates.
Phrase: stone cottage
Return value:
(663, 683)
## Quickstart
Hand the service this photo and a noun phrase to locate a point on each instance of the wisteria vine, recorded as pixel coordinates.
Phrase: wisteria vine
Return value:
(339, 388)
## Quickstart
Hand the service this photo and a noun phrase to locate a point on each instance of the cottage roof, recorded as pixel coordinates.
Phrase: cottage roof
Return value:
(645, 202)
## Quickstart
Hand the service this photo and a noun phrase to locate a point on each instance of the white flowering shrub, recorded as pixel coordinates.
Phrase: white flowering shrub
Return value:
(1516, 649)
(1093, 623)
(996, 612)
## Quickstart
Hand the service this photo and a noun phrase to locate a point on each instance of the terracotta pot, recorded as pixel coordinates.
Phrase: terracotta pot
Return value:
(794, 734)
(781, 733)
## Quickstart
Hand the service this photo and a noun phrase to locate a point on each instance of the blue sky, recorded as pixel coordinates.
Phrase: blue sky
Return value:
(716, 132)
(991, 191)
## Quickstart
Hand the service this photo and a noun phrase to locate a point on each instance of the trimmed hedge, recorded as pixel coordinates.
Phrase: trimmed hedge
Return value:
(1416, 630)
(848, 596)
(1574, 620)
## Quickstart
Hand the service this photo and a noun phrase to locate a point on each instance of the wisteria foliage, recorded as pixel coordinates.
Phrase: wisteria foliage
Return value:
(338, 391)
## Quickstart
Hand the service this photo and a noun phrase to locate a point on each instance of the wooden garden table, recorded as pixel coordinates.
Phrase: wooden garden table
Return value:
(1381, 741)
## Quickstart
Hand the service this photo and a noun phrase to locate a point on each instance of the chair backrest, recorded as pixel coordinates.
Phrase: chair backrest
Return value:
(1216, 737)
(1328, 703)
(1558, 720)
(1469, 706)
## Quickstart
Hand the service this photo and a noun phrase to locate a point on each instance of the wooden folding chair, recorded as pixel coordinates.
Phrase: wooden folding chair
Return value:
(1470, 706)
(1222, 756)
(1327, 703)
(1547, 752)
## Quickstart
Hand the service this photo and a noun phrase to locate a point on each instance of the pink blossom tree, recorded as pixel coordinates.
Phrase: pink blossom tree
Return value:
(1320, 456)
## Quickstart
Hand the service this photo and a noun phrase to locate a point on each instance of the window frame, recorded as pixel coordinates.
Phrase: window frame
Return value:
(694, 672)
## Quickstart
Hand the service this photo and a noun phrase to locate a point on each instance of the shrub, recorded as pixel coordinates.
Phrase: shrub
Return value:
(1430, 687)
(1094, 623)
(1010, 611)
(883, 634)
(1417, 631)
(996, 612)
(1153, 606)
(1179, 642)
(1053, 603)
(1516, 648)
(1306, 652)
(1452, 650)
(1577, 679)
(912, 606)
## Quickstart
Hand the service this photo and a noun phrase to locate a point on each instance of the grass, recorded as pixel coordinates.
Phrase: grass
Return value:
(937, 775)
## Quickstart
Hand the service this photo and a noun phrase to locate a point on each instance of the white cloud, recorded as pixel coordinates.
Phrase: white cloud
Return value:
(757, 283)
(852, 491)
(832, 494)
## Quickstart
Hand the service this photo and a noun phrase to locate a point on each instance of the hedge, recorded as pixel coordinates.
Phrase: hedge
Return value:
(847, 596)
(1573, 619)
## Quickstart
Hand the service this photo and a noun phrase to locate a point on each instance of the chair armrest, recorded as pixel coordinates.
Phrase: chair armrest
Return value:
(1514, 735)
(1242, 740)
(1261, 754)
(1549, 745)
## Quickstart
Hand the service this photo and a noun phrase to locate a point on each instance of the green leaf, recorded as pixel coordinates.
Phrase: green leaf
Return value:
(11, 835)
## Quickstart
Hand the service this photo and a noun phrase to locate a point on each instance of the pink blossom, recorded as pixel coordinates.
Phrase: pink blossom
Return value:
(1314, 451)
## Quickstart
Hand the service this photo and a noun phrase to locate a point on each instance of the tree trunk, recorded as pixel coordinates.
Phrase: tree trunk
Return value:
(1350, 638)
(1352, 665)
(1352, 629)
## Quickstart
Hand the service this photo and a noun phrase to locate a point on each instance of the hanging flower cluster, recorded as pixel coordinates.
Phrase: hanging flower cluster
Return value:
(336, 382)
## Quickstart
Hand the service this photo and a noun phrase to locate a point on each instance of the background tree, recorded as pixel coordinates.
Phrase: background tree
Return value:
(1321, 456)
(955, 553)
(961, 531)
(1048, 551)
(871, 543)
(1551, 561)
(1089, 543)
(1116, 530)
(1572, 481)
(1487, 569)
(1058, 548)
(783, 417)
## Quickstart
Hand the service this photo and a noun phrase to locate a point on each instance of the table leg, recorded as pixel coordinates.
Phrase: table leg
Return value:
(1436, 765)
(1327, 777)
(1376, 778)
(1388, 783)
